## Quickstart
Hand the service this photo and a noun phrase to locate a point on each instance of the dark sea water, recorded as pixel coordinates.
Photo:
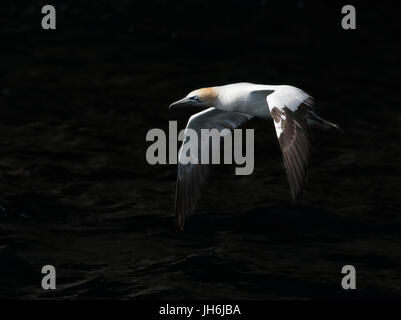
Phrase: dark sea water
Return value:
(77, 193)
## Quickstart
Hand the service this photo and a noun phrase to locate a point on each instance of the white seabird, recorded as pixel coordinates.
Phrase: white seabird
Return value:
(229, 106)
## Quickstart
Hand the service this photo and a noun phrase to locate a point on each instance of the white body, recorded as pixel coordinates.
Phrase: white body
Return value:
(257, 99)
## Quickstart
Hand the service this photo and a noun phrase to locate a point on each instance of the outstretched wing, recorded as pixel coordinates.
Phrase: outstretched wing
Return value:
(191, 176)
(290, 108)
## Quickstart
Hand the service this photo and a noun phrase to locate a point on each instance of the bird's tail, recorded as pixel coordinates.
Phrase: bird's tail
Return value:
(321, 123)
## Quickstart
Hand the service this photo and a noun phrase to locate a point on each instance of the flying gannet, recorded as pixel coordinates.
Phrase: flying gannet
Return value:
(229, 106)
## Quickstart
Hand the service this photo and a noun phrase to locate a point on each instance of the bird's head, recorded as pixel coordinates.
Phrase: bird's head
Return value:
(204, 97)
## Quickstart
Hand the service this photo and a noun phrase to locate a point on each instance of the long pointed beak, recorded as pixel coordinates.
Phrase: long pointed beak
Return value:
(180, 103)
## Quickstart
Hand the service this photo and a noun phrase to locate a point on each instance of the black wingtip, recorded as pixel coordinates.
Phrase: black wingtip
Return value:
(297, 198)
(340, 130)
(335, 127)
(180, 222)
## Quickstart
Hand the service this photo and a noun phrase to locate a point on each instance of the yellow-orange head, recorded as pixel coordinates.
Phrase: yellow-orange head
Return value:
(204, 97)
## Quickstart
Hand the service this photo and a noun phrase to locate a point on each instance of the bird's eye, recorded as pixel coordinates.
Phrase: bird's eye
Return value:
(195, 98)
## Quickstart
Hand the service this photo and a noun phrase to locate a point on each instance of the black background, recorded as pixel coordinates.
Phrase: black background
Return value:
(76, 190)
